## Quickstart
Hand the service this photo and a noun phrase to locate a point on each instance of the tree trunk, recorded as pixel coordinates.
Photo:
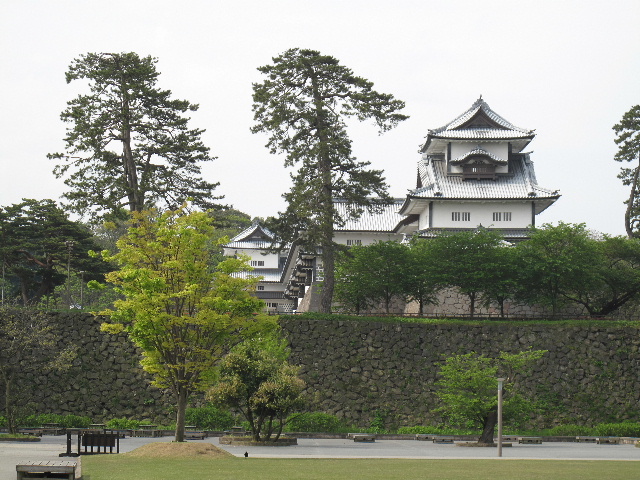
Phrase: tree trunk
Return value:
(630, 202)
(328, 264)
(490, 422)
(183, 395)
(472, 304)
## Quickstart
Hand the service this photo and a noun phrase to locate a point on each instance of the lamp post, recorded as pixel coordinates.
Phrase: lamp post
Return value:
(500, 383)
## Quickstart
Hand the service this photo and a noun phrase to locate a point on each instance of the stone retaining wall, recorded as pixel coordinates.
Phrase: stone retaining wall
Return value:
(105, 380)
(365, 371)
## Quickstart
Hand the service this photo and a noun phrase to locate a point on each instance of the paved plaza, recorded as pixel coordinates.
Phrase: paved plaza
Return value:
(13, 453)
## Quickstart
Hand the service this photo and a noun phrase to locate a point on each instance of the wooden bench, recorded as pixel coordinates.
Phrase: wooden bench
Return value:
(581, 439)
(52, 429)
(99, 440)
(608, 440)
(52, 469)
(530, 440)
(423, 437)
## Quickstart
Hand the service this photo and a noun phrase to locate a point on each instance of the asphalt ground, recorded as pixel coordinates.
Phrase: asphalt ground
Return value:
(49, 448)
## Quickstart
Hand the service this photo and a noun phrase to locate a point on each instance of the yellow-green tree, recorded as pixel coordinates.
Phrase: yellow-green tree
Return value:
(181, 312)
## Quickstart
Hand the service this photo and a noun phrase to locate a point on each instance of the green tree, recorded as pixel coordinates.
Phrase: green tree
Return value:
(371, 274)
(420, 283)
(182, 314)
(466, 260)
(556, 261)
(617, 276)
(41, 249)
(628, 141)
(468, 389)
(129, 146)
(303, 105)
(29, 346)
(257, 380)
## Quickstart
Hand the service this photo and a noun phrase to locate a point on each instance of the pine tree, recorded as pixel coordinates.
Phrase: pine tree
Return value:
(303, 105)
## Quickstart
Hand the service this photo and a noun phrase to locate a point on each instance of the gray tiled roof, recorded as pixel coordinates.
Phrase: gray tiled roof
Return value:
(479, 151)
(267, 274)
(514, 233)
(521, 184)
(456, 129)
(252, 243)
(385, 221)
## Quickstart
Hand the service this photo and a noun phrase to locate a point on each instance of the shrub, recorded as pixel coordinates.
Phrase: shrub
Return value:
(209, 418)
(434, 431)
(315, 422)
(625, 429)
(3, 421)
(66, 421)
(570, 430)
(123, 424)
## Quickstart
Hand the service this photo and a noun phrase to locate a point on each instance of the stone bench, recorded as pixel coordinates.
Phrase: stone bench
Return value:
(608, 440)
(423, 437)
(530, 440)
(195, 435)
(364, 437)
(582, 439)
(63, 470)
(441, 439)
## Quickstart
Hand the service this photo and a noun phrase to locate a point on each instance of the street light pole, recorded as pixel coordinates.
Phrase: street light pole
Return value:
(500, 382)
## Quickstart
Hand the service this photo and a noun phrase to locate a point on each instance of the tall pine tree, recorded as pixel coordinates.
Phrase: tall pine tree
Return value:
(628, 140)
(303, 105)
(129, 146)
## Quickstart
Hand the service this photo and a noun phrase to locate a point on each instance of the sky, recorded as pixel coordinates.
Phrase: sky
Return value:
(569, 69)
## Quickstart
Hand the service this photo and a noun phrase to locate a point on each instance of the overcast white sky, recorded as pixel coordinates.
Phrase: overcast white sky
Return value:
(568, 68)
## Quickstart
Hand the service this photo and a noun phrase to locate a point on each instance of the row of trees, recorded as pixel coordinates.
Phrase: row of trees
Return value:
(558, 266)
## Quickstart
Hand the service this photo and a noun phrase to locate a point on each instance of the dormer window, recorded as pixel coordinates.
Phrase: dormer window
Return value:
(478, 171)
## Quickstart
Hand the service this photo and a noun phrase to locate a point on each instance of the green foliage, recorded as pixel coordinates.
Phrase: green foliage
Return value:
(209, 417)
(436, 430)
(628, 141)
(370, 275)
(65, 421)
(468, 389)
(303, 105)
(181, 312)
(624, 429)
(40, 247)
(481, 271)
(123, 424)
(564, 264)
(128, 145)
(315, 422)
(257, 380)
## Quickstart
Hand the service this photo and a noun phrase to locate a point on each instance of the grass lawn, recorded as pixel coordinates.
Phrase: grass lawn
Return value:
(116, 467)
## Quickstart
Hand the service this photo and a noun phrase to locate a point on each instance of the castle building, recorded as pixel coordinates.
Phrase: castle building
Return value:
(473, 172)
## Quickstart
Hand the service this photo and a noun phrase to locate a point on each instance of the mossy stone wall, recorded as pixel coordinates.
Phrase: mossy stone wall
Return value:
(367, 371)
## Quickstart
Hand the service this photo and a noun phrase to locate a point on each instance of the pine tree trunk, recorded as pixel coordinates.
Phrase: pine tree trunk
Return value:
(632, 197)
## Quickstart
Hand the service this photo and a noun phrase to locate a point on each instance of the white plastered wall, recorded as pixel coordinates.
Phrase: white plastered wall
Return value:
(481, 213)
